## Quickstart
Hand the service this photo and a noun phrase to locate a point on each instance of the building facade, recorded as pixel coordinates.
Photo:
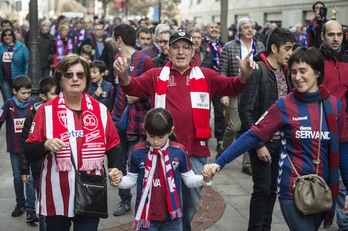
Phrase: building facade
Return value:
(284, 13)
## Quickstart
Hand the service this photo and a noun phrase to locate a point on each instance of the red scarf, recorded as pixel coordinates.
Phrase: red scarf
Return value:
(200, 99)
(93, 147)
(142, 217)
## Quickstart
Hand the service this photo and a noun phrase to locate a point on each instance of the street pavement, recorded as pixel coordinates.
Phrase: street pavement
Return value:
(224, 206)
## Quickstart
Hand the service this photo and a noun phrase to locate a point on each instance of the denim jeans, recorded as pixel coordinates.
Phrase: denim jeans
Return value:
(175, 225)
(29, 202)
(296, 221)
(6, 89)
(126, 145)
(264, 192)
(342, 219)
(81, 223)
(191, 196)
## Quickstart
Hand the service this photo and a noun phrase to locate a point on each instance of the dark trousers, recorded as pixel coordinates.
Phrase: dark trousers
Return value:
(219, 119)
(265, 188)
(80, 223)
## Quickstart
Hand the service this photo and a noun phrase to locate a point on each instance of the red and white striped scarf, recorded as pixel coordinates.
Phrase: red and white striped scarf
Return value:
(93, 147)
(142, 217)
(200, 99)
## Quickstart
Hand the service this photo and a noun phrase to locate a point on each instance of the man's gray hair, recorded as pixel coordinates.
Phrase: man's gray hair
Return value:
(242, 21)
(46, 22)
(161, 27)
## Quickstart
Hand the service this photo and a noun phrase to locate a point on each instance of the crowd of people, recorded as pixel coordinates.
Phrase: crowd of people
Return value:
(141, 94)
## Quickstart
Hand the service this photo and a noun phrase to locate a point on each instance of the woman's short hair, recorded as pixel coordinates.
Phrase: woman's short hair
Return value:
(312, 56)
(64, 65)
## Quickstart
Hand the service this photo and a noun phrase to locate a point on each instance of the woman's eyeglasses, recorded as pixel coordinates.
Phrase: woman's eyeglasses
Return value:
(69, 75)
(8, 35)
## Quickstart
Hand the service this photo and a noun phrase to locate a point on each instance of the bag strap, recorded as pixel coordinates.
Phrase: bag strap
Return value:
(264, 73)
(316, 161)
(73, 163)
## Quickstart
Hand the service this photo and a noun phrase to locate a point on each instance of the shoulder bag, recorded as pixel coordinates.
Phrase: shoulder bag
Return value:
(311, 193)
(90, 194)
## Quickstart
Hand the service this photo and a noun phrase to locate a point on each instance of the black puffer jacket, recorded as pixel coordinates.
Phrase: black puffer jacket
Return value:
(24, 164)
(254, 100)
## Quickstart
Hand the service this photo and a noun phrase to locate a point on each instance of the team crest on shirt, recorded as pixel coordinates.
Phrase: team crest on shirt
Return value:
(203, 97)
(62, 118)
(90, 121)
(175, 163)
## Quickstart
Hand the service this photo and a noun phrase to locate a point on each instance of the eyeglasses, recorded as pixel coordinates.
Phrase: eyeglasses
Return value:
(8, 35)
(165, 42)
(69, 75)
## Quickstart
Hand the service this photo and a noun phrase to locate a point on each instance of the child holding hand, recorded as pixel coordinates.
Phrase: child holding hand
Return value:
(157, 166)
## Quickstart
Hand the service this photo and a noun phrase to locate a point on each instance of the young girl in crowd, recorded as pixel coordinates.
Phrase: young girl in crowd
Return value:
(156, 166)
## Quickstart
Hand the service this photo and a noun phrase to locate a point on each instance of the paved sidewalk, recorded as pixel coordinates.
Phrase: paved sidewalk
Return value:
(224, 206)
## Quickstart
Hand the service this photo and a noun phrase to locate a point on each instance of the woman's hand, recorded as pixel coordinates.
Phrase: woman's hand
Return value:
(54, 145)
(263, 154)
(115, 177)
(209, 171)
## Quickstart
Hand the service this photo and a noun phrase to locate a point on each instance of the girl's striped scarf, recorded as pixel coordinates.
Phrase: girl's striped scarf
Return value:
(142, 217)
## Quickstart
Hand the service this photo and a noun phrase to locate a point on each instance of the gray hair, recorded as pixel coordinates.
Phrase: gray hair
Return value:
(242, 21)
(46, 22)
(160, 28)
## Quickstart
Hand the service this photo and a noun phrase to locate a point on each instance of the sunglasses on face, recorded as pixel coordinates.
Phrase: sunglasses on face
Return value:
(69, 75)
(7, 35)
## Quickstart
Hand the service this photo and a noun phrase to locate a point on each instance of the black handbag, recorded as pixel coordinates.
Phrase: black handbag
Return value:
(90, 194)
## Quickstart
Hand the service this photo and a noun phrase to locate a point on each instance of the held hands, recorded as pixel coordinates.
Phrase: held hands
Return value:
(115, 177)
(209, 171)
(246, 66)
(54, 145)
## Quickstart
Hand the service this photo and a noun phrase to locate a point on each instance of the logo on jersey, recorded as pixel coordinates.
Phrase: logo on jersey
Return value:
(307, 133)
(175, 163)
(18, 124)
(62, 118)
(90, 121)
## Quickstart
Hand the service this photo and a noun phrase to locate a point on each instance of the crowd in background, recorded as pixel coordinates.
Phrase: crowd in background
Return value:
(96, 40)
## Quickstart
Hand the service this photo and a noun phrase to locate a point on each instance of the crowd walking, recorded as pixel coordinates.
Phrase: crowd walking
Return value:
(140, 95)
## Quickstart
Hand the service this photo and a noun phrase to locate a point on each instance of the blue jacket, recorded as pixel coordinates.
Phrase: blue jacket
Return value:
(19, 65)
